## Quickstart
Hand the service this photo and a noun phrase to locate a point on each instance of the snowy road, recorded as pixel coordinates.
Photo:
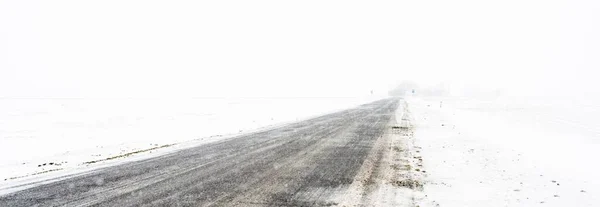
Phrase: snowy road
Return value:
(300, 164)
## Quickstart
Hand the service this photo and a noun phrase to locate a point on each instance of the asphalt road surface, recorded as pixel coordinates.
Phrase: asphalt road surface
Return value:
(300, 164)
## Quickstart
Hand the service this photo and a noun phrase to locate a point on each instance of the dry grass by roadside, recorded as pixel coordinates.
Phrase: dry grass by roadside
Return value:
(127, 154)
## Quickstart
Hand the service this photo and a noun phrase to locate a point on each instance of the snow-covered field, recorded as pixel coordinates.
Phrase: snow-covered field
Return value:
(61, 135)
(509, 151)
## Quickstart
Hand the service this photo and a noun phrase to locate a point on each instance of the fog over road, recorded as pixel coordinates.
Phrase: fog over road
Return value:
(300, 164)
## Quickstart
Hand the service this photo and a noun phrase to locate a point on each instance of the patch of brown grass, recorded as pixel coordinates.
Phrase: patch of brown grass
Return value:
(408, 183)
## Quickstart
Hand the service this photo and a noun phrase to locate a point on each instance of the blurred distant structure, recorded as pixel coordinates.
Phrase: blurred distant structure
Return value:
(440, 89)
(408, 88)
(404, 88)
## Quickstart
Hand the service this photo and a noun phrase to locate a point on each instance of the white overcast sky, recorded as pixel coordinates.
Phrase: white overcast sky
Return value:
(149, 48)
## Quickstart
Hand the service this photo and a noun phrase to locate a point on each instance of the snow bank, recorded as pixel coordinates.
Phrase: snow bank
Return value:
(509, 151)
(39, 136)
